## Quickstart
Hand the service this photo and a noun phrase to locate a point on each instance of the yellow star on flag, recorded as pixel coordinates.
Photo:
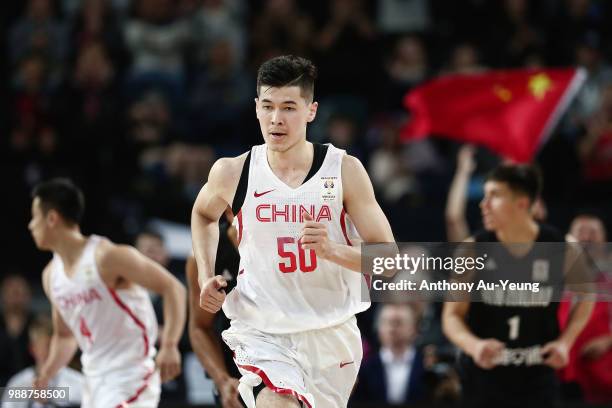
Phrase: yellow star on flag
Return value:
(539, 84)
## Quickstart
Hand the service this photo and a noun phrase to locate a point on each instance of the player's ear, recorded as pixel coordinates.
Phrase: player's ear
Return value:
(524, 203)
(256, 107)
(51, 218)
(312, 111)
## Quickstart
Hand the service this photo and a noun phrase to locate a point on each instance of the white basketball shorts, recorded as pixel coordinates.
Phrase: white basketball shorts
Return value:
(133, 388)
(318, 367)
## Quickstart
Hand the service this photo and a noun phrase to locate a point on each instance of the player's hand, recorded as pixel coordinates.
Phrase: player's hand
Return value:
(212, 294)
(486, 352)
(556, 354)
(314, 236)
(41, 382)
(168, 361)
(228, 392)
(596, 347)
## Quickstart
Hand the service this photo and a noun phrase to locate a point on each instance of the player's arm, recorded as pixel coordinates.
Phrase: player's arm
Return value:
(210, 204)
(125, 262)
(63, 345)
(484, 352)
(365, 213)
(205, 341)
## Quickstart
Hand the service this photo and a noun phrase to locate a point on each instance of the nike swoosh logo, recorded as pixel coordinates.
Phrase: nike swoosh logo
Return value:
(256, 194)
(344, 364)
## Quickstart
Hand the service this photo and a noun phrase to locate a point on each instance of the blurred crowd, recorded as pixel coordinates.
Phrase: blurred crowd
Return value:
(135, 99)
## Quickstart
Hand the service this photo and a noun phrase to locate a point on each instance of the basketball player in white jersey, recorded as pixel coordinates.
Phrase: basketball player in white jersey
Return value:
(299, 208)
(100, 305)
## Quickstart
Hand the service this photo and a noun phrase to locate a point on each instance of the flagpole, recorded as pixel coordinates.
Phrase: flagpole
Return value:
(576, 83)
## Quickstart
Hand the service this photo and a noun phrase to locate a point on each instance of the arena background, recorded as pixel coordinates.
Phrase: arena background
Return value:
(135, 99)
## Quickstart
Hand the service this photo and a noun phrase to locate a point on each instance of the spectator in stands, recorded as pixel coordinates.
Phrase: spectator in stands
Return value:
(345, 39)
(38, 31)
(514, 33)
(92, 107)
(15, 300)
(407, 67)
(390, 176)
(589, 55)
(151, 244)
(342, 132)
(591, 354)
(281, 27)
(220, 19)
(221, 94)
(157, 41)
(394, 375)
(400, 16)
(595, 147)
(465, 59)
(40, 333)
(96, 22)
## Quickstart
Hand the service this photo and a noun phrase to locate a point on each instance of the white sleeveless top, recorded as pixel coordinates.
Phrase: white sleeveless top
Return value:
(115, 329)
(282, 288)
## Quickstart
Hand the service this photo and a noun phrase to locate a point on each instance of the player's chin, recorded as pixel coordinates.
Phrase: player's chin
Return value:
(40, 245)
(489, 224)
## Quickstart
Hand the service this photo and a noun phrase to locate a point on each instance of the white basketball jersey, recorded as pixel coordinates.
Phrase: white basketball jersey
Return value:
(281, 287)
(115, 329)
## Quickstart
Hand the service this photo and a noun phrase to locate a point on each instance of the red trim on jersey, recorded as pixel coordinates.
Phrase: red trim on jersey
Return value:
(138, 392)
(239, 216)
(343, 226)
(127, 310)
(268, 383)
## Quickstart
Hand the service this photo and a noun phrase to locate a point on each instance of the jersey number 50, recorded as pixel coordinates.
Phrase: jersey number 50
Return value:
(290, 264)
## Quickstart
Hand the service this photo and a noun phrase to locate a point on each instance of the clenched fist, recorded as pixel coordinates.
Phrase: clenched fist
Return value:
(212, 294)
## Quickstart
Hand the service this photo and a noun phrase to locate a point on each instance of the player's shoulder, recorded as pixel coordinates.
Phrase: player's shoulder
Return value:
(46, 276)
(352, 168)
(107, 251)
(549, 233)
(351, 162)
(226, 169)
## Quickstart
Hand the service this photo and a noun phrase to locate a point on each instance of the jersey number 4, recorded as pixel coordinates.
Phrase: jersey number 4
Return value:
(287, 252)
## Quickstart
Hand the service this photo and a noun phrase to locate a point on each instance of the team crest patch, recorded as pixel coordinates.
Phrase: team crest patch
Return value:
(89, 273)
(540, 270)
(329, 188)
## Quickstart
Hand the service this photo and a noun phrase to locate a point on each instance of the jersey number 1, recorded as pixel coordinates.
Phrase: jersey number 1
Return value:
(290, 264)
(514, 323)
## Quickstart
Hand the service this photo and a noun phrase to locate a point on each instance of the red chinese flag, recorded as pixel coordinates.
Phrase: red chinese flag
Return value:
(511, 112)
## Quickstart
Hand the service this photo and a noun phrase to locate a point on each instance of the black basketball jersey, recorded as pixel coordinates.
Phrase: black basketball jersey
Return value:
(520, 318)
(523, 320)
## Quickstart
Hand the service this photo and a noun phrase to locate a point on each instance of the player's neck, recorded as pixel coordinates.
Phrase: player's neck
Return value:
(70, 245)
(297, 157)
(524, 230)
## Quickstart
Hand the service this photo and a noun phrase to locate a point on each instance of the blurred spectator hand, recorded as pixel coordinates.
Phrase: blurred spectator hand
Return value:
(596, 347)
(465, 159)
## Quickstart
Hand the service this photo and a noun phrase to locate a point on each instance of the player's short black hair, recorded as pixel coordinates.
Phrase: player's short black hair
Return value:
(521, 178)
(63, 196)
(288, 70)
